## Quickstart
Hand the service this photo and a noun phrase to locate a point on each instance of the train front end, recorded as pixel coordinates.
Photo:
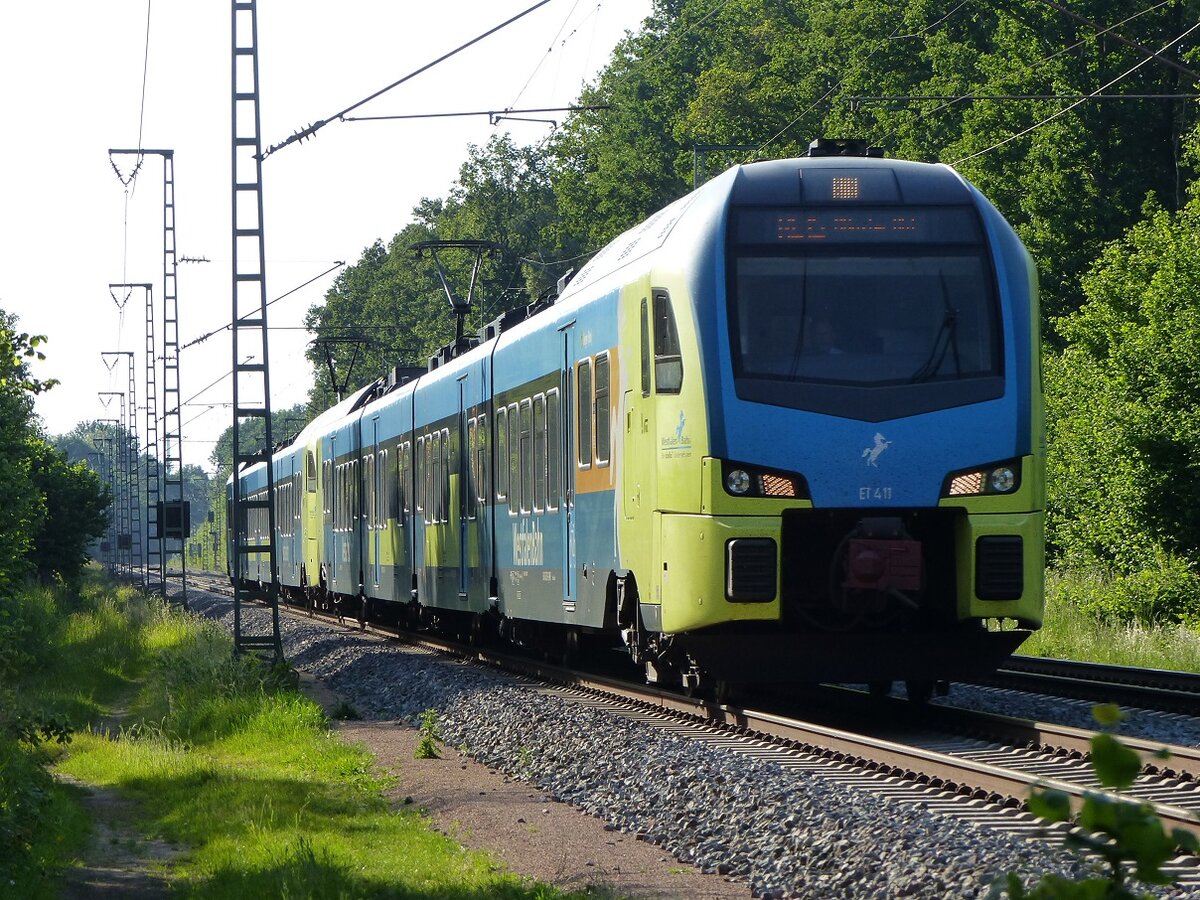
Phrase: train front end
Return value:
(875, 434)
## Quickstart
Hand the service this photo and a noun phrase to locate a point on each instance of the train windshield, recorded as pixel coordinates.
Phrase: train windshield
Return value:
(868, 326)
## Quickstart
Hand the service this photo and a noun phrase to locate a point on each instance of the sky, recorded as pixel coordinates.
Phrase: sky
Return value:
(71, 79)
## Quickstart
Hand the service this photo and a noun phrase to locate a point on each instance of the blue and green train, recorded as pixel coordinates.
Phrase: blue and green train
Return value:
(789, 428)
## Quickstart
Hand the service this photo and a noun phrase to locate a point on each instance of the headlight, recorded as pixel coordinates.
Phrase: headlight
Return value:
(1002, 480)
(742, 480)
(737, 481)
(998, 478)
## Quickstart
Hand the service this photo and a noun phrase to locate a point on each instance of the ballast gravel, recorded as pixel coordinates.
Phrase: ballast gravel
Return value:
(784, 832)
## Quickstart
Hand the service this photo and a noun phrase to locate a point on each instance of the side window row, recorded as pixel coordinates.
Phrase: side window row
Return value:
(529, 453)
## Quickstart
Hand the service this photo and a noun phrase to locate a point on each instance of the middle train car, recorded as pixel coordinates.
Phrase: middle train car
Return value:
(788, 428)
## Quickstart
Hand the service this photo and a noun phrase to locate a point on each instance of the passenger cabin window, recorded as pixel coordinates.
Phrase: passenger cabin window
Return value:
(668, 363)
(402, 481)
(554, 441)
(514, 459)
(470, 489)
(481, 461)
(583, 384)
(603, 418)
(501, 453)
(526, 455)
(539, 453)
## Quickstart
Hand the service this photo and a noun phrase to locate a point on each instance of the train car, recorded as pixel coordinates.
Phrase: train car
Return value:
(787, 429)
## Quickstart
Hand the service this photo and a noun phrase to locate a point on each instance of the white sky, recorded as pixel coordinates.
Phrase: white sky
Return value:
(71, 83)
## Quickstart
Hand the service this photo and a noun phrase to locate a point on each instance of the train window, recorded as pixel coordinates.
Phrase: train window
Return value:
(583, 385)
(668, 363)
(337, 498)
(431, 513)
(514, 459)
(445, 486)
(310, 472)
(369, 478)
(419, 474)
(436, 479)
(501, 453)
(387, 490)
(539, 453)
(470, 490)
(603, 413)
(645, 346)
(481, 466)
(554, 450)
(876, 325)
(526, 455)
(402, 483)
(356, 508)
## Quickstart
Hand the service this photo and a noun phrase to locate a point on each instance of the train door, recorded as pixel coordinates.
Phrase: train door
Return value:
(561, 408)
(376, 512)
(312, 515)
(637, 410)
(289, 523)
(461, 452)
(332, 538)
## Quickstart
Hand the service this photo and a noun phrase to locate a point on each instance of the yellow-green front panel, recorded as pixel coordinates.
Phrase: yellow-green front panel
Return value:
(690, 583)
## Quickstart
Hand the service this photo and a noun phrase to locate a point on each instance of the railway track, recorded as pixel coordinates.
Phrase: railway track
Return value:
(1157, 689)
(964, 763)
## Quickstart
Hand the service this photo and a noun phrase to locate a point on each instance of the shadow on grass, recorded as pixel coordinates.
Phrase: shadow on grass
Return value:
(278, 837)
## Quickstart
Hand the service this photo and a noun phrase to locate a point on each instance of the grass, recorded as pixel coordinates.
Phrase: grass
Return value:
(1070, 633)
(227, 762)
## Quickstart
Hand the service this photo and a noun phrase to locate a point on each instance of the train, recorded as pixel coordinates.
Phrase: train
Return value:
(787, 429)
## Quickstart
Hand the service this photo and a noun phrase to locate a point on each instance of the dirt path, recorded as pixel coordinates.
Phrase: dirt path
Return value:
(532, 835)
(120, 861)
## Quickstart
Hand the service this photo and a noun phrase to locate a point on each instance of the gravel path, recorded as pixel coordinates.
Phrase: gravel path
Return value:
(784, 833)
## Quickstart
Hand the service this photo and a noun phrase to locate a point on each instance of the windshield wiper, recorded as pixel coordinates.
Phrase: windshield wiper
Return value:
(945, 339)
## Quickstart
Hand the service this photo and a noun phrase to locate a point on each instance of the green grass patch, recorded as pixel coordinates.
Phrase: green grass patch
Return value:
(227, 761)
(1072, 630)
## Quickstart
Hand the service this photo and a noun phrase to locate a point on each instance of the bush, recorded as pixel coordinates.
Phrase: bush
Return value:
(1166, 594)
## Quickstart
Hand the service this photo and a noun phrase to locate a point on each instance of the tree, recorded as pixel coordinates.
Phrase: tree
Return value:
(21, 506)
(76, 504)
(1123, 402)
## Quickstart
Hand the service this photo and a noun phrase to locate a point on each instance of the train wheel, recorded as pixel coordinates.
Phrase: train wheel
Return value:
(919, 691)
(478, 630)
(725, 692)
(569, 656)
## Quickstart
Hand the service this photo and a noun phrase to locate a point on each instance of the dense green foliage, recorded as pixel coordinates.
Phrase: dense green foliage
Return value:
(1123, 403)
(34, 816)
(76, 505)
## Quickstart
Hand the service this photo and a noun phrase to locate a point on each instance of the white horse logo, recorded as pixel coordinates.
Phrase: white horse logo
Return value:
(871, 454)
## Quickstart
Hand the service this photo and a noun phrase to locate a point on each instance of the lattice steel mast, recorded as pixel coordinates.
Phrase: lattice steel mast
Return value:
(251, 375)
(172, 511)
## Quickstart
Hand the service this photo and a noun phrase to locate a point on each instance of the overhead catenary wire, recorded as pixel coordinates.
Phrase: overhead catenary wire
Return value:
(1116, 36)
(204, 337)
(321, 123)
(1049, 58)
(1067, 109)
